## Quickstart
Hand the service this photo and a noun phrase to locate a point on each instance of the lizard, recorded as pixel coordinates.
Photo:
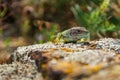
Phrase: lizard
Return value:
(74, 34)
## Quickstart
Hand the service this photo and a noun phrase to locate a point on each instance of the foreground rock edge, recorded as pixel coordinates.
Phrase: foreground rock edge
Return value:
(86, 58)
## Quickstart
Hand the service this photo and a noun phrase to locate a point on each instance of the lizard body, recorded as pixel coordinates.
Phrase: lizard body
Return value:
(75, 34)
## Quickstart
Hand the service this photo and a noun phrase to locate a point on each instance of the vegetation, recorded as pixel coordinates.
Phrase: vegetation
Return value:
(44, 18)
(96, 21)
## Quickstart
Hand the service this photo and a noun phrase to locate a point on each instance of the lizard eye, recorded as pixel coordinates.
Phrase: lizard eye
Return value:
(78, 31)
(74, 32)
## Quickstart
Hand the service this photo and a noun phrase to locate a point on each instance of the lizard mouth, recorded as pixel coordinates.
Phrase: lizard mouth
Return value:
(86, 32)
(85, 35)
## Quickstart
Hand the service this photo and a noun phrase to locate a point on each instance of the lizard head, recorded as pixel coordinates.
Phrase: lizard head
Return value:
(77, 33)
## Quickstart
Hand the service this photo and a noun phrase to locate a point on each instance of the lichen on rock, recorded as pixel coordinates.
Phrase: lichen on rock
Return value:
(68, 61)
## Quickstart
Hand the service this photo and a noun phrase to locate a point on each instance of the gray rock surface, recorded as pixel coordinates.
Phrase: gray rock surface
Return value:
(28, 60)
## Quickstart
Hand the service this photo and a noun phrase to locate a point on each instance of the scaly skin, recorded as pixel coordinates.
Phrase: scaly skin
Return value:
(75, 34)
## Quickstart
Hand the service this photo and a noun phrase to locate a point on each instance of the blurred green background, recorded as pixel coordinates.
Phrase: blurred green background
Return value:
(24, 22)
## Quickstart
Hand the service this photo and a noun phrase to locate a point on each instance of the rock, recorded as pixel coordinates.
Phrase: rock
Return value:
(109, 44)
(69, 61)
(19, 71)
